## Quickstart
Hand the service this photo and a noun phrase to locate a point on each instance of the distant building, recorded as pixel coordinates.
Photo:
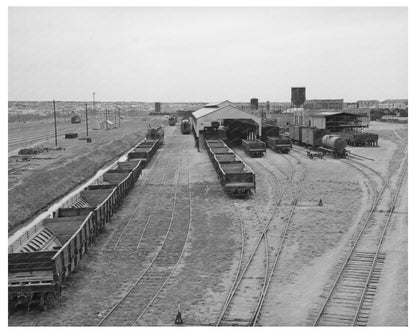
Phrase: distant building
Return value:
(324, 104)
(394, 104)
(371, 103)
(350, 106)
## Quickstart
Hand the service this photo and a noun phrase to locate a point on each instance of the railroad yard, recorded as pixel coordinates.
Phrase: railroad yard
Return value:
(297, 252)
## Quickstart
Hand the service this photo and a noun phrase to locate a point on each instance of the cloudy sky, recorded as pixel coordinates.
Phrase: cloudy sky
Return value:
(207, 54)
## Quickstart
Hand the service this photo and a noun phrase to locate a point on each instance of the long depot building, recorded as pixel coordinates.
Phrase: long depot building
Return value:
(224, 116)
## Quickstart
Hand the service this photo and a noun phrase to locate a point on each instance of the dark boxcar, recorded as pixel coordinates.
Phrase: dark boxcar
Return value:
(312, 136)
(269, 130)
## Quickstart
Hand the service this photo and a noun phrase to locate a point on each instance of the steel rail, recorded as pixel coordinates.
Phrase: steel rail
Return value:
(117, 304)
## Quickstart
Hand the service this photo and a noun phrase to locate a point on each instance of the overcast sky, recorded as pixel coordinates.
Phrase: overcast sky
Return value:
(207, 54)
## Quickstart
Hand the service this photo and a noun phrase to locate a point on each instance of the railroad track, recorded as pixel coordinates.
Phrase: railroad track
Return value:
(137, 300)
(350, 297)
(258, 259)
(19, 140)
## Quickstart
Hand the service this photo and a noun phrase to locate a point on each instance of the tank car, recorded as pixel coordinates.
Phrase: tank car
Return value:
(334, 144)
(185, 125)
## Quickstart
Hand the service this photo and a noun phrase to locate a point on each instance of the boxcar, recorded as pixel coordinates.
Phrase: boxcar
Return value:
(312, 136)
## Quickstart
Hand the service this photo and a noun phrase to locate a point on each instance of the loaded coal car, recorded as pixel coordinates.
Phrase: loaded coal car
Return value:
(335, 145)
(172, 120)
(236, 177)
(42, 258)
(279, 144)
(156, 133)
(254, 148)
(46, 256)
(144, 151)
(186, 126)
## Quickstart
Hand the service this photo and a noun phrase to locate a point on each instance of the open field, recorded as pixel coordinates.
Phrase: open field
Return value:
(179, 201)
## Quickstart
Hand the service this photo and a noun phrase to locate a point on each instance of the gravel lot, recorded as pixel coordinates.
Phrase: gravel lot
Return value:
(317, 238)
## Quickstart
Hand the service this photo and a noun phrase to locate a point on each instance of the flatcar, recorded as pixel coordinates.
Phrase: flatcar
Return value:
(186, 125)
(279, 144)
(172, 120)
(254, 148)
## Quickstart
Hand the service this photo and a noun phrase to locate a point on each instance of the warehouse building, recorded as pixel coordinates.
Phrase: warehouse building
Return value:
(217, 115)
(334, 121)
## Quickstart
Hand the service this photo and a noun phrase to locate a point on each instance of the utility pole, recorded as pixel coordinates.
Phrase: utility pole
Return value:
(86, 117)
(118, 117)
(93, 101)
(106, 119)
(54, 116)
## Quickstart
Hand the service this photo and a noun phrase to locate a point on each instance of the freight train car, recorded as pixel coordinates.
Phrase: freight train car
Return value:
(172, 120)
(236, 177)
(295, 133)
(319, 139)
(186, 125)
(156, 133)
(335, 145)
(312, 136)
(254, 148)
(145, 150)
(269, 130)
(279, 144)
(43, 257)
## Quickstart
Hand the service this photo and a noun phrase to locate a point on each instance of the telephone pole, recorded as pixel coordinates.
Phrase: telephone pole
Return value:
(54, 116)
(93, 101)
(86, 117)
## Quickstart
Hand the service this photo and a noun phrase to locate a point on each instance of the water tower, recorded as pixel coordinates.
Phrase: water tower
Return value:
(298, 96)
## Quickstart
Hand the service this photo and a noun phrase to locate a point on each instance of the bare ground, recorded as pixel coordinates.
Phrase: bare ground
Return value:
(317, 239)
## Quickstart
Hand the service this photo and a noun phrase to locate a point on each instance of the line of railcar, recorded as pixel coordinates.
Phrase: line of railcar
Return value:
(40, 260)
(319, 139)
(236, 177)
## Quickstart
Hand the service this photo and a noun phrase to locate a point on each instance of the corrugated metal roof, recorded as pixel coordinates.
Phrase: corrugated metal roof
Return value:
(217, 104)
(332, 113)
(205, 111)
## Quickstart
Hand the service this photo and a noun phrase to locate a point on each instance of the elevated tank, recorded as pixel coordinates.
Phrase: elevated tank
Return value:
(334, 141)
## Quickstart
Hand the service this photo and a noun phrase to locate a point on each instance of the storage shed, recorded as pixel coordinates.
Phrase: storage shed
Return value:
(333, 121)
(214, 114)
